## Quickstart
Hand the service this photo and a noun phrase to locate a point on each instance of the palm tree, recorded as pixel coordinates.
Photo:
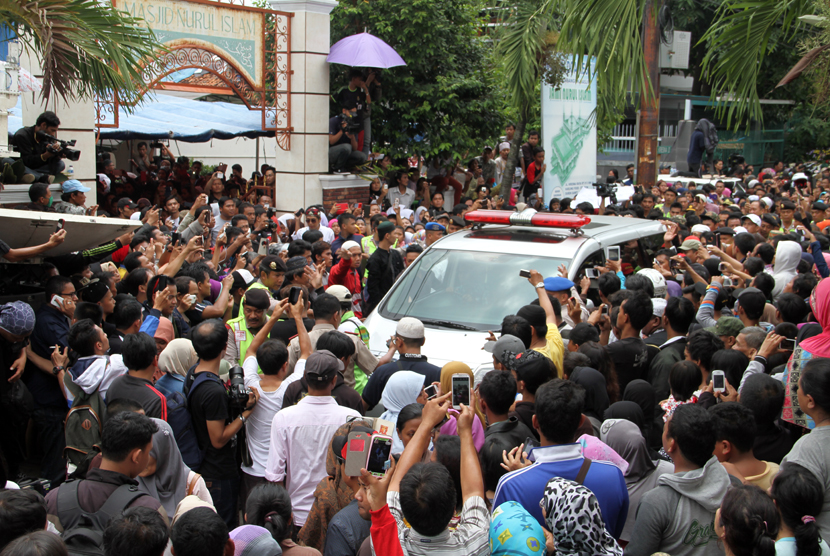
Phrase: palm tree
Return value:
(86, 47)
(611, 33)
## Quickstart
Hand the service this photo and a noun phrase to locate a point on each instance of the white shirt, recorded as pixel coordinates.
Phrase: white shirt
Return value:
(300, 438)
(258, 426)
(328, 235)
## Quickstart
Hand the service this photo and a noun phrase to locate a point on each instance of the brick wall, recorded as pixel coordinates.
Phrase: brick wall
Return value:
(345, 195)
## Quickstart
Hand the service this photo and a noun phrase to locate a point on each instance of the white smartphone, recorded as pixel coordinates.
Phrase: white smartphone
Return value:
(718, 381)
(460, 390)
(541, 194)
(57, 301)
(379, 450)
(220, 175)
(613, 253)
(431, 391)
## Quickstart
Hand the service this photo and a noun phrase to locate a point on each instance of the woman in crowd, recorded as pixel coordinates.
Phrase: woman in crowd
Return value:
(409, 419)
(269, 506)
(457, 367)
(602, 362)
(573, 516)
(642, 393)
(167, 478)
(596, 397)
(625, 438)
(747, 522)
(799, 497)
(402, 389)
(378, 193)
(176, 359)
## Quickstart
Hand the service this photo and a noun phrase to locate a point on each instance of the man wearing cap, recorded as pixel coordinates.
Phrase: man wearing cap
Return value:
(456, 223)
(301, 434)
(272, 271)
(433, 232)
(752, 223)
(727, 329)
(407, 341)
(345, 274)
(690, 247)
(241, 330)
(99, 292)
(384, 266)
(786, 210)
(73, 199)
(768, 224)
(126, 207)
(818, 211)
(17, 321)
(561, 288)
(504, 351)
(351, 324)
(313, 222)
(546, 338)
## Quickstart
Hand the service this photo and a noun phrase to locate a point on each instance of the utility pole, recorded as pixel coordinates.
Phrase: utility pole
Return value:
(649, 121)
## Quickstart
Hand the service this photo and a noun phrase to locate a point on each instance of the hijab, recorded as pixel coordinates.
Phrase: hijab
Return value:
(625, 438)
(168, 484)
(178, 357)
(596, 396)
(457, 367)
(819, 346)
(402, 389)
(165, 330)
(573, 516)
(787, 257)
(189, 503)
(642, 393)
(629, 411)
(253, 540)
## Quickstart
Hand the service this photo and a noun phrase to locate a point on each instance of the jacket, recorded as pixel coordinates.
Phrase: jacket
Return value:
(512, 431)
(383, 268)
(343, 274)
(678, 515)
(29, 148)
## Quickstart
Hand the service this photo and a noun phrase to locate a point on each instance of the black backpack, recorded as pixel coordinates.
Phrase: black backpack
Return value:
(83, 532)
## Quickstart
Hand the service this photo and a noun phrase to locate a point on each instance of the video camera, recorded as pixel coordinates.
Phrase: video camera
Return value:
(353, 123)
(607, 190)
(65, 150)
(237, 392)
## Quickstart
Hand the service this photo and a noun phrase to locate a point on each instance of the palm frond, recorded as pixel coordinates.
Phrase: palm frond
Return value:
(85, 47)
(737, 43)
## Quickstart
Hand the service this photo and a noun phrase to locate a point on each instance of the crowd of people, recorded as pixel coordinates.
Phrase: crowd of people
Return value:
(204, 385)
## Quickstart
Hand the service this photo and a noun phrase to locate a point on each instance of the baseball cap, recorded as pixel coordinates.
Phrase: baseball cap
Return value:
(800, 176)
(342, 293)
(321, 366)
(767, 201)
(701, 197)
(505, 350)
(126, 202)
(691, 245)
(725, 231)
(409, 327)
(739, 294)
(557, 284)
(740, 230)
(727, 326)
(435, 227)
(458, 221)
(753, 217)
(769, 219)
(443, 215)
(73, 186)
(753, 183)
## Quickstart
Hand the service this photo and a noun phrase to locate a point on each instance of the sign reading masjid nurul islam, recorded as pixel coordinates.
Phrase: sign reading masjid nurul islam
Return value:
(569, 135)
(233, 33)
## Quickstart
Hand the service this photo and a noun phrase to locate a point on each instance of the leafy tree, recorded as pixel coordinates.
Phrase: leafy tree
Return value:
(86, 47)
(445, 101)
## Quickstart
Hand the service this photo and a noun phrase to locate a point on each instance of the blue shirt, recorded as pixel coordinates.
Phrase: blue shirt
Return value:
(527, 486)
(51, 328)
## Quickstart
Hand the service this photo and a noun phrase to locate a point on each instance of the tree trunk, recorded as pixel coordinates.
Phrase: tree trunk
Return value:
(649, 104)
(512, 161)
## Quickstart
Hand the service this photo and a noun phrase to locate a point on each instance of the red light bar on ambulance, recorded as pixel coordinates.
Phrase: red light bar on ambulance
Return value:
(527, 218)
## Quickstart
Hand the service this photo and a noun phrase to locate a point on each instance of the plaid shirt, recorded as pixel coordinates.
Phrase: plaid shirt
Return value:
(471, 537)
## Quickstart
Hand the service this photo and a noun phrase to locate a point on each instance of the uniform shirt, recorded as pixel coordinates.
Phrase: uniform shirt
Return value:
(300, 439)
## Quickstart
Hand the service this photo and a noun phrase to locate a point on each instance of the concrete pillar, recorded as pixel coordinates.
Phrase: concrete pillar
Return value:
(299, 169)
(77, 122)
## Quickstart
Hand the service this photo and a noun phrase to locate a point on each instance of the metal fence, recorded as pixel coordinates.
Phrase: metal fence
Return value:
(623, 138)
(758, 147)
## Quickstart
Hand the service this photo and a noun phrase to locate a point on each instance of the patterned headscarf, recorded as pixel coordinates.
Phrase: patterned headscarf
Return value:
(17, 318)
(573, 515)
(514, 532)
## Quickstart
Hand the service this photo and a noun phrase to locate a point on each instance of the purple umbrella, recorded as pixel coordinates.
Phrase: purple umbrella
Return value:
(364, 50)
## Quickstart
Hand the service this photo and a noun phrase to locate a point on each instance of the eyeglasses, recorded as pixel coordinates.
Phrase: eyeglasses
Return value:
(73, 295)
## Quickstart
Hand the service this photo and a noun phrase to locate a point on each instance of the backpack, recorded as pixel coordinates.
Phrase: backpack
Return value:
(83, 425)
(83, 532)
(180, 420)
(710, 135)
(178, 417)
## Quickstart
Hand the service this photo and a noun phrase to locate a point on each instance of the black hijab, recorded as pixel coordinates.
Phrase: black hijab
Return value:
(642, 393)
(596, 397)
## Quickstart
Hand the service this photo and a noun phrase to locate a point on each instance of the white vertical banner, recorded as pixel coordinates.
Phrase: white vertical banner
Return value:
(569, 135)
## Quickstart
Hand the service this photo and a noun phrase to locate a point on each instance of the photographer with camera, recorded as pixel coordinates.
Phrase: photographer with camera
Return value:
(211, 408)
(343, 153)
(40, 152)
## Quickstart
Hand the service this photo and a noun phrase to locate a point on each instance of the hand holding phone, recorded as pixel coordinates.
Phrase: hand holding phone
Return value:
(460, 390)
(718, 381)
(431, 391)
(61, 224)
(524, 273)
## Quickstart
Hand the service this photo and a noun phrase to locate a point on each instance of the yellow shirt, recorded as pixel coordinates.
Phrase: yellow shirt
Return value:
(554, 348)
(764, 480)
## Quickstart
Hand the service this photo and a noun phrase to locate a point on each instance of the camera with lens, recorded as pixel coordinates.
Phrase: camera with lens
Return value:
(353, 123)
(607, 190)
(64, 150)
(156, 145)
(237, 392)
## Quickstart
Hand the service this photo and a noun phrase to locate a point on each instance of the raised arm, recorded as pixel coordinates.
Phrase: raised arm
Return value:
(538, 282)
(23, 253)
(434, 412)
(265, 331)
(472, 483)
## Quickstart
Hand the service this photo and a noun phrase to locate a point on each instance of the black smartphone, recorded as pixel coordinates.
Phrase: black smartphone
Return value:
(614, 253)
(294, 295)
(524, 273)
(61, 224)
(174, 238)
(788, 344)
